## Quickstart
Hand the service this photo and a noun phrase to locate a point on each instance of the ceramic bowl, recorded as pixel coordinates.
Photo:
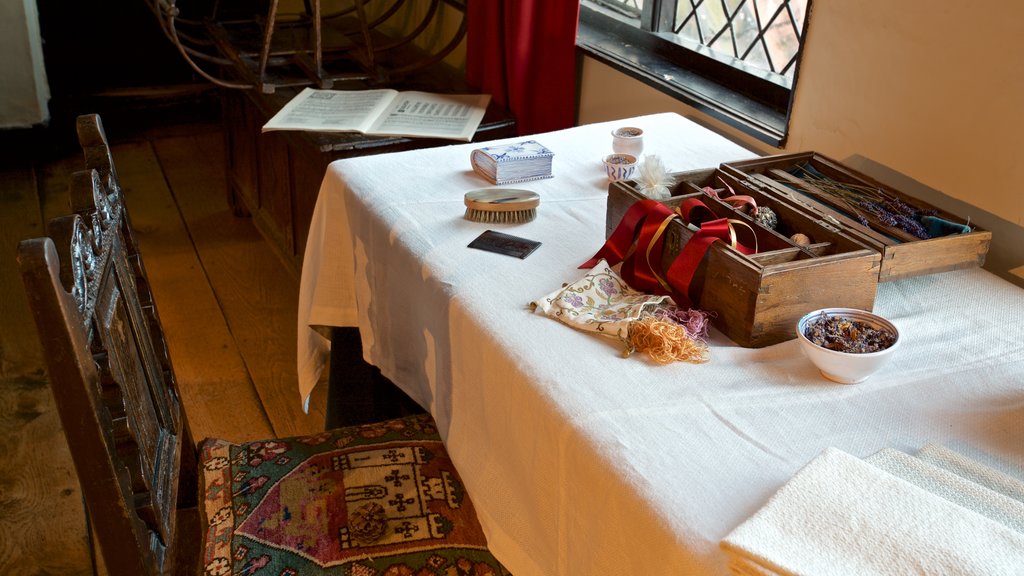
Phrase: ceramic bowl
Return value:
(847, 367)
(628, 140)
(620, 167)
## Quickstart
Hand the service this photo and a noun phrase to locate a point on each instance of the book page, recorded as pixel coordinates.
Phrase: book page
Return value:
(332, 110)
(454, 116)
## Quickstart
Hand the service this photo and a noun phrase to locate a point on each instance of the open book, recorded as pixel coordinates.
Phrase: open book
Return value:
(383, 112)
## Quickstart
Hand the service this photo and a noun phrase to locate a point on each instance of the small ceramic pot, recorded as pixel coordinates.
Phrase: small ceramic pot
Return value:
(620, 166)
(628, 140)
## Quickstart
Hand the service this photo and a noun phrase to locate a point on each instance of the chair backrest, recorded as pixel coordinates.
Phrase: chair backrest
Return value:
(92, 202)
(111, 377)
(96, 149)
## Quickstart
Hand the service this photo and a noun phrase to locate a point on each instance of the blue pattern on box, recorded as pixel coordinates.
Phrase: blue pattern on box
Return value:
(517, 151)
(514, 162)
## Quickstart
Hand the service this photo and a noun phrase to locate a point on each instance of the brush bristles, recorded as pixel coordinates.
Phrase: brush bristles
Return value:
(501, 217)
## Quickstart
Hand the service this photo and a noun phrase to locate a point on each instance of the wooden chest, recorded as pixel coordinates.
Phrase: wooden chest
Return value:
(903, 254)
(756, 299)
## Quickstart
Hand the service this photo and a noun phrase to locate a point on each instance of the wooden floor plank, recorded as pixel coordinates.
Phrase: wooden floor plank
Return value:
(42, 518)
(54, 178)
(20, 218)
(218, 395)
(257, 294)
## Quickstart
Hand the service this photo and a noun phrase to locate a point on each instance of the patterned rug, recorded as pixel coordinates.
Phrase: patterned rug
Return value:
(374, 500)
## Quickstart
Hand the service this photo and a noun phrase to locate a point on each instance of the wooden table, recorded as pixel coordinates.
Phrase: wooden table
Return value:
(580, 461)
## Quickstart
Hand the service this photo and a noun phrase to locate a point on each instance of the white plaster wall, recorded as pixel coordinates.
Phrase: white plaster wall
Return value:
(926, 93)
(23, 89)
(932, 89)
(606, 94)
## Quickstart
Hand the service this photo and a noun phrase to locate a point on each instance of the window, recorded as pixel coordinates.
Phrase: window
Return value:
(736, 60)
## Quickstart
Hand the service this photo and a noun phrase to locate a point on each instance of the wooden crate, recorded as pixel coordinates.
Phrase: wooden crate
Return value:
(756, 299)
(903, 255)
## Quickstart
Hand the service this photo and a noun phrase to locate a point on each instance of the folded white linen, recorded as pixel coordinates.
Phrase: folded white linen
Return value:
(840, 515)
(973, 470)
(952, 487)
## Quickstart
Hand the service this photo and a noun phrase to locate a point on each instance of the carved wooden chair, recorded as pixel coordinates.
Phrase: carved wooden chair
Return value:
(113, 386)
(368, 500)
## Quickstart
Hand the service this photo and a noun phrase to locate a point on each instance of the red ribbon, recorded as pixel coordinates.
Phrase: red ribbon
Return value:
(618, 244)
(736, 200)
(644, 224)
(696, 212)
(681, 271)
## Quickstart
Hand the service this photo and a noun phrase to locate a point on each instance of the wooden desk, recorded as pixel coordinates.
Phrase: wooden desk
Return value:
(276, 176)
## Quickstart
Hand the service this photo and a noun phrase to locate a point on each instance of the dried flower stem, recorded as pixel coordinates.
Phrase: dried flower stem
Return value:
(871, 206)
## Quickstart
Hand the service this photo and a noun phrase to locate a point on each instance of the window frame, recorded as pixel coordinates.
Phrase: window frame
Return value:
(752, 101)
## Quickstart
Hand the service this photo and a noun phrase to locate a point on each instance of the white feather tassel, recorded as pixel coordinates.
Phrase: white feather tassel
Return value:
(654, 180)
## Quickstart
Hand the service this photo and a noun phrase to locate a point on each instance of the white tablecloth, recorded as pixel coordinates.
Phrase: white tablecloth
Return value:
(580, 461)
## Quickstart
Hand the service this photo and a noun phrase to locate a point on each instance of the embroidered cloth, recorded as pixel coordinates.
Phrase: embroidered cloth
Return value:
(599, 302)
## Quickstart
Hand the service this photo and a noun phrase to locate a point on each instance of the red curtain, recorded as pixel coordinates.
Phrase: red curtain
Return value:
(523, 53)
